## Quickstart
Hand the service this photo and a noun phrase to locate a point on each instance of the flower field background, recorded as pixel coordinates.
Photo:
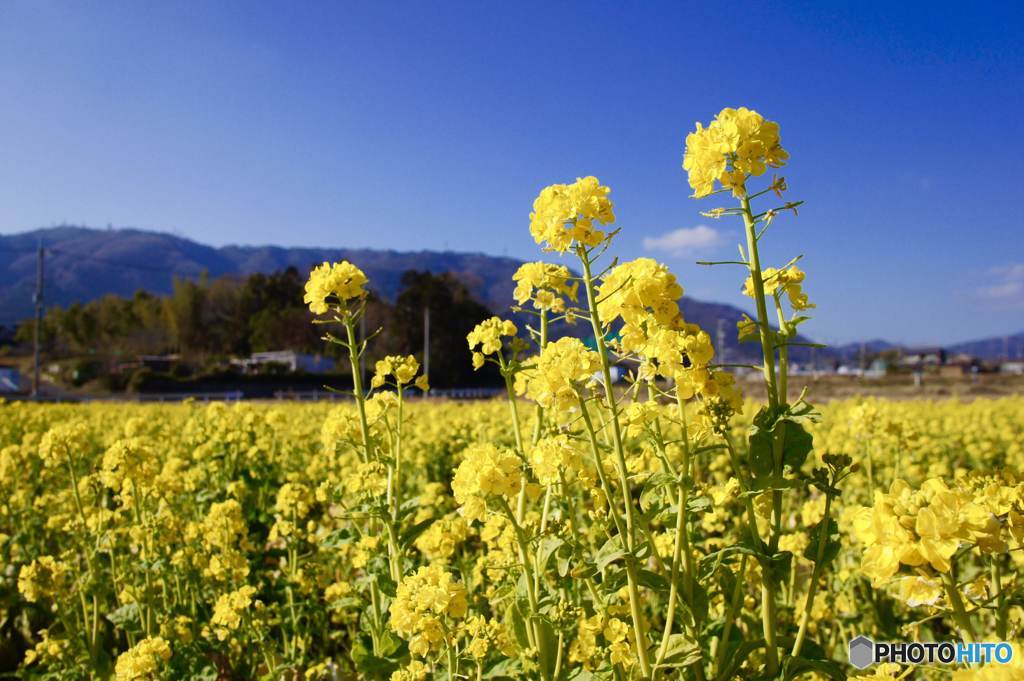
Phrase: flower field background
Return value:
(214, 500)
(665, 527)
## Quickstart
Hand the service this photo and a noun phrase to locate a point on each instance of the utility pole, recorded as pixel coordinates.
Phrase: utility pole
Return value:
(426, 341)
(37, 298)
(720, 340)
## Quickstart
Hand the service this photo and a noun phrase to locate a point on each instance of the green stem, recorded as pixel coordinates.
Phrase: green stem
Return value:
(531, 593)
(357, 385)
(639, 625)
(783, 355)
(997, 584)
(730, 616)
(812, 589)
(768, 595)
(146, 561)
(963, 621)
(538, 428)
(543, 528)
(757, 278)
(681, 547)
(514, 412)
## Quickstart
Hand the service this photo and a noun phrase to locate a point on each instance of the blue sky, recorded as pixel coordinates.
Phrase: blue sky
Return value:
(433, 126)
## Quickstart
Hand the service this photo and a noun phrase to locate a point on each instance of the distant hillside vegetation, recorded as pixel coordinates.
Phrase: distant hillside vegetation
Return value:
(83, 264)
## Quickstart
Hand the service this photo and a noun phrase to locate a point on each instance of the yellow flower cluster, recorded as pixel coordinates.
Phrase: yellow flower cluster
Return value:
(42, 578)
(414, 671)
(128, 459)
(223, 534)
(788, 280)
(736, 144)
(229, 610)
(441, 539)
(555, 458)
(487, 335)
(334, 284)
(143, 661)
(293, 498)
(590, 650)
(920, 528)
(633, 289)
(402, 368)
(722, 398)
(558, 375)
(566, 213)
(679, 354)
(423, 602)
(63, 441)
(546, 284)
(485, 471)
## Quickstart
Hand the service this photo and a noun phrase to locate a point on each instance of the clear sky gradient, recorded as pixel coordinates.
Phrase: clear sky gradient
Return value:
(433, 125)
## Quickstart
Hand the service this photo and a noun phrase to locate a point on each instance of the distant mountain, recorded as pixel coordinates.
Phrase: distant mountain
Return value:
(851, 351)
(999, 347)
(83, 264)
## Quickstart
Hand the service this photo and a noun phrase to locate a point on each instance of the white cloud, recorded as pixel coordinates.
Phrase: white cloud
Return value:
(1008, 286)
(685, 240)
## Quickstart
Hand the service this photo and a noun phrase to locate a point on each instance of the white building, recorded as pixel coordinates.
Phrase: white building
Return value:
(293, 361)
(10, 381)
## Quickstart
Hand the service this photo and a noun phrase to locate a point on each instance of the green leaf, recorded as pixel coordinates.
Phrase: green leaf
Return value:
(737, 655)
(548, 545)
(832, 544)
(803, 412)
(126, 617)
(372, 666)
(795, 667)
(777, 567)
(336, 539)
(547, 643)
(657, 483)
(797, 443)
(515, 619)
(701, 504)
(611, 551)
(410, 534)
(652, 580)
(682, 651)
(760, 454)
(562, 559)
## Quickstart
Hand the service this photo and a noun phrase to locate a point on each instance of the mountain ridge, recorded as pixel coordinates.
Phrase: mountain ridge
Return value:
(85, 263)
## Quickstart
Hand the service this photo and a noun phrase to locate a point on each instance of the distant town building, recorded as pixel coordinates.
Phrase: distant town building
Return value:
(157, 363)
(917, 358)
(11, 381)
(289, 359)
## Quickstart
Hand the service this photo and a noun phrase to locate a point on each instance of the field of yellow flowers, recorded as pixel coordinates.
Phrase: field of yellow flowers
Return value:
(575, 530)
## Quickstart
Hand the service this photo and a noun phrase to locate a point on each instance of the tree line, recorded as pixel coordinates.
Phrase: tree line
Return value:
(208, 321)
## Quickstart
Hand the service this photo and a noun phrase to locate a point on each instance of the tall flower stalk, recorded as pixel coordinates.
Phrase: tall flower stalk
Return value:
(738, 145)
